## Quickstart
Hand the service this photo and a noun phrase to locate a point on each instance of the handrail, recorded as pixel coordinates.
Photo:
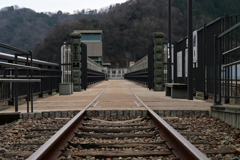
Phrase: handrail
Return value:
(230, 51)
(137, 70)
(28, 64)
(24, 59)
(231, 64)
(20, 80)
(4, 64)
(14, 49)
(143, 63)
(229, 30)
(91, 64)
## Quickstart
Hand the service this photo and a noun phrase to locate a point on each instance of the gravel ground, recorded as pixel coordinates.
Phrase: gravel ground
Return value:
(119, 140)
(215, 133)
(15, 133)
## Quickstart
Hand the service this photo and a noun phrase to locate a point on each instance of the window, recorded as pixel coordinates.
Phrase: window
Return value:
(91, 37)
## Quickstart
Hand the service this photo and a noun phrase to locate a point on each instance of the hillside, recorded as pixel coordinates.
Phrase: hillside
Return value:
(127, 28)
(24, 28)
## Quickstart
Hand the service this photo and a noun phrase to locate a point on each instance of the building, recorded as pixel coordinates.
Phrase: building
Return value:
(93, 40)
(116, 73)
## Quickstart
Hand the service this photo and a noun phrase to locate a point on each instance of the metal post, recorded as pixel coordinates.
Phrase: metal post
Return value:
(27, 87)
(11, 90)
(190, 52)
(67, 64)
(150, 66)
(169, 63)
(228, 60)
(227, 71)
(64, 62)
(50, 81)
(41, 83)
(219, 70)
(16, 85)
(31, 87)
(214, 70)
(205, 96)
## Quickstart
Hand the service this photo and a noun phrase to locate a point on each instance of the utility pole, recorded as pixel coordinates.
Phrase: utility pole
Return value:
(190, 52)
(169, 56)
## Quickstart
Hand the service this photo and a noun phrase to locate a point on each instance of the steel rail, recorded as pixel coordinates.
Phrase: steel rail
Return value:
(6, 56)
(54, 146)
(181, 147)
(236, 26)
(34, 76)
(20, 80)
(13, 65)
(230, 51)
(14, 49)
(231, 64)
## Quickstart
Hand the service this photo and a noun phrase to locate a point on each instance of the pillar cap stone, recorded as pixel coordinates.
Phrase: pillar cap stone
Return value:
(158, 35)
(76, 35)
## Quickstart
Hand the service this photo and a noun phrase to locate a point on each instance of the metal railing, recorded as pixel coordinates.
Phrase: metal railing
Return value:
(24, 77)
(92, 72)
(139, 71)
(203, 70)
(227, 58)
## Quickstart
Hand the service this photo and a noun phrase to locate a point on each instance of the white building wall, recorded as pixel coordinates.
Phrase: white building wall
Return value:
(116, 73)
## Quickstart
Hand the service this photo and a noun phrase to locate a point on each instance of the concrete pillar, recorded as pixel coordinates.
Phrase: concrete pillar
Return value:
(111, 73)
(76, 61)
(158, 61)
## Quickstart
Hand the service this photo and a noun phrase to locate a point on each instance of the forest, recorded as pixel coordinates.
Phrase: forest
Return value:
(127, 27)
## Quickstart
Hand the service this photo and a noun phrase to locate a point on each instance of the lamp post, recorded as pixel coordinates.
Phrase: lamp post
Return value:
(190, 52)
(169, 63)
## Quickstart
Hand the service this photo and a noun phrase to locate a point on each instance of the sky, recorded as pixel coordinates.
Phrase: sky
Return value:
(56, 5)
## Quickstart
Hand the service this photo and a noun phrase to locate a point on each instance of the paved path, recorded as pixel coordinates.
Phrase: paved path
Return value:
(116, 97)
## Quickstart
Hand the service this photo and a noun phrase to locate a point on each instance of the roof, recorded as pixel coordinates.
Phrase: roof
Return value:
(88, 31)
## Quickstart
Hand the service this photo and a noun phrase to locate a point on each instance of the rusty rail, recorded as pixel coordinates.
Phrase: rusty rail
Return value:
(180, 146)
(54, 146)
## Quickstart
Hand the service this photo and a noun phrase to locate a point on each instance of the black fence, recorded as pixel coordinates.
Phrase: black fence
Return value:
(89, 76)
(84, 66)
(204, 75)
(150, 75)
(227, 71)
(24, 77)
(140, 76)
(144, 75)
(94, 76)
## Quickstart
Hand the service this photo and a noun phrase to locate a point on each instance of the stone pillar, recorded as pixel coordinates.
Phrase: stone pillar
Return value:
(76, 61)
(110, 73)
(158, 61)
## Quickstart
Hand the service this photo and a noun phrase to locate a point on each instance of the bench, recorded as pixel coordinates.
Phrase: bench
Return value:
(176, 90)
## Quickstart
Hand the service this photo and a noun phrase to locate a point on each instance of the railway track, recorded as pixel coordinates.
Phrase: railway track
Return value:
(141, 137)
(150, 137)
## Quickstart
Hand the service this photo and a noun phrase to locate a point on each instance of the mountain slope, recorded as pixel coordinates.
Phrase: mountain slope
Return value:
(24, 28)
(127, 28)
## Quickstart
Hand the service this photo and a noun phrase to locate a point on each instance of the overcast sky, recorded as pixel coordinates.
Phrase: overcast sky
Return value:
(56, 5)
